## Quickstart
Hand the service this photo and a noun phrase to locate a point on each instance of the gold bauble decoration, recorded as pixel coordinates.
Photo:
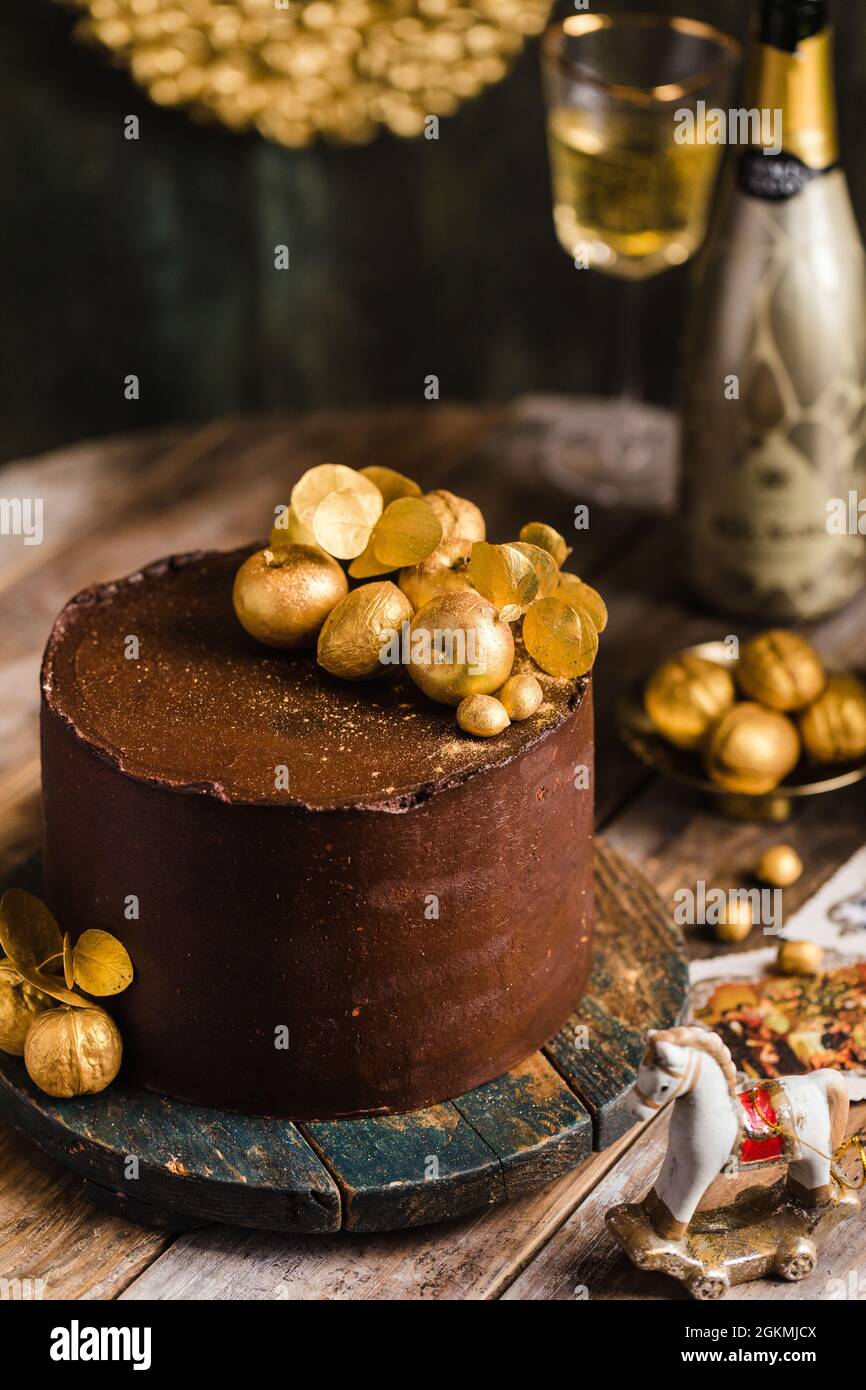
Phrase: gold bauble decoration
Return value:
(751, 749)
(421, 583)
(834, 727)
(521, 696)
(20, 1004)
(459, 647)
(482, 715)
(283, 596)
(781, 669)
(685, 696)
(780, 866)
(799, 958)
(73, 1052)
(735, 920)
(354, 634)
(339, 69)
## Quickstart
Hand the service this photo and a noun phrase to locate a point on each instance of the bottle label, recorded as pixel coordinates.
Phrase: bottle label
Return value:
(774, 176)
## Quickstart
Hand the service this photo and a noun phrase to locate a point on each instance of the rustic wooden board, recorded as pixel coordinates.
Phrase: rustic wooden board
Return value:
(502, 1140)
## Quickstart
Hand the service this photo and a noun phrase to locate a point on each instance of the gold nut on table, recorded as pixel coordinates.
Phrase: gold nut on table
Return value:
(779, 866)
(781, 669)
(735, 921)
(685, 696)
(751, 749)
(799, 958)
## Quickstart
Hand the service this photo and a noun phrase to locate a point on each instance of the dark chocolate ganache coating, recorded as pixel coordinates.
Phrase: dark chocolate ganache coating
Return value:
(402, 914)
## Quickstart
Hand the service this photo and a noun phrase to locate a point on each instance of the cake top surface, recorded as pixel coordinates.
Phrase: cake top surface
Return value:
(205, 708)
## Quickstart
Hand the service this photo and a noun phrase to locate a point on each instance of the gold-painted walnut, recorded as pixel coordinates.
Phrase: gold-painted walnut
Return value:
(434, 576)
(685, 696)
(357, 631)
(751, 749)
(73, 1052)
(20, 1004)
(781, 669)
(282, 597)
(834, 727)
(459, 647)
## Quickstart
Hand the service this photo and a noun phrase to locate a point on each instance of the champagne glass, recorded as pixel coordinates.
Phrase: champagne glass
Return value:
(632, 179)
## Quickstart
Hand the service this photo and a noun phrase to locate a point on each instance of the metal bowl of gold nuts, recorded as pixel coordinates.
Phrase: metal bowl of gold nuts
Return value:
(755, 729)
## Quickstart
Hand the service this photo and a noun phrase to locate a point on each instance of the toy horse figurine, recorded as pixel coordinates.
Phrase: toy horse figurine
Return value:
(718, 1125)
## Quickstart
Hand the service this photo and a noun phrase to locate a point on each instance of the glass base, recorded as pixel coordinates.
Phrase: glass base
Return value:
(606, 451)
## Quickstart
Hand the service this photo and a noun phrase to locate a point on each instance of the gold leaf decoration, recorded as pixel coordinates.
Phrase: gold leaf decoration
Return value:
(365, 565)
(407, 533)
(288, 529)
(584, 598)
(315, 485)
(561, 640)
(52, 985)
(343, 522)
(546, 538)
(68, 961)
(28, 932)
(544, 565)
(101, 963)
(390, 483)
(505, 577)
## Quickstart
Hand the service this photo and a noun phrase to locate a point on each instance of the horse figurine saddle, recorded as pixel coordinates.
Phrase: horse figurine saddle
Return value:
(765, 1127)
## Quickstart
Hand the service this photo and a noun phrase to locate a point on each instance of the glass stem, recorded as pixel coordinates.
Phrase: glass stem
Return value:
(632, 447)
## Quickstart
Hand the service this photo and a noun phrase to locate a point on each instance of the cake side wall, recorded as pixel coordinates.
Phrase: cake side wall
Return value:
(409, 957)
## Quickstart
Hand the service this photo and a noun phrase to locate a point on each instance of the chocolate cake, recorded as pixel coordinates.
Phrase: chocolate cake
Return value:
(336, 903)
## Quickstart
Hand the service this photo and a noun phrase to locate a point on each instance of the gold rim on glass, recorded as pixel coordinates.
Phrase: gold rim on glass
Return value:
(578, 25)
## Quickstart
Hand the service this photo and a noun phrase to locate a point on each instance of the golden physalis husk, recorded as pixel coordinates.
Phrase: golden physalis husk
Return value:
(390, 483)
(318, 483)
(20, 1004)
(482, 715)
(356, 634)
(834, 727)
(685, 696)
(288, 530)
(505, 577)
(751, 749)
(282, 597)
(561, 640)
(521, 696)
(546, 538)
(421, 583)
(543, 564)
(101, 964)
(780, 866)
(459, 647)
(584, 598)
(73, 1052)
(31, 939)
(343, 521)
(781, 669)
(407, 532)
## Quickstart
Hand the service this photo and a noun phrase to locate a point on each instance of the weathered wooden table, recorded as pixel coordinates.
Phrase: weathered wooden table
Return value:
(113, 505)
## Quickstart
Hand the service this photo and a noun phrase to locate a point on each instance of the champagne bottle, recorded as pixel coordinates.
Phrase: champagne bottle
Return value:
(774, 406)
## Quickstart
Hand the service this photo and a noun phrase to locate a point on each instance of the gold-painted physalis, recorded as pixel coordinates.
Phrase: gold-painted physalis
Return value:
(70, 1046)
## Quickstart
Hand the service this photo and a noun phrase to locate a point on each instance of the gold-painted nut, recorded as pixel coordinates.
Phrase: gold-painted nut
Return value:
(20, 1004)
(521, 696)
(781, 669)
(834, 726)
(799, 958)
(751, 749)
(359, 634)
(779, 866)
(283, 596)
(482, 715)
(73, 1052)
(735, 920)
(685, 696)
(462, 523)
(434, 576)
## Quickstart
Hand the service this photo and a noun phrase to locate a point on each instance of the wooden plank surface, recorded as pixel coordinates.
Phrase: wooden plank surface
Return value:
(666, 830)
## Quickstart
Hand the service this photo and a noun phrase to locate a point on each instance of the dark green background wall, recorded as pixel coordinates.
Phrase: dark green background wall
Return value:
(408, 258)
